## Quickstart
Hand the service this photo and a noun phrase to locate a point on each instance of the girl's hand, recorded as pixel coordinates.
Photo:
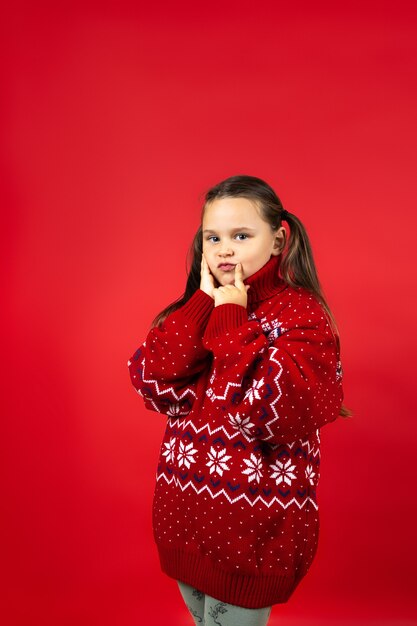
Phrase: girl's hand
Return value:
(233, 294)
(207, 279)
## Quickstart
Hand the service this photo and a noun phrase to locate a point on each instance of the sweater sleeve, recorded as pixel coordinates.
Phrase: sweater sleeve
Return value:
(164, 370)
(283, 384)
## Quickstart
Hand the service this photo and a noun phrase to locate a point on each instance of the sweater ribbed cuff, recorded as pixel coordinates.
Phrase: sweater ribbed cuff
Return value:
(198, 308)
(225, 317)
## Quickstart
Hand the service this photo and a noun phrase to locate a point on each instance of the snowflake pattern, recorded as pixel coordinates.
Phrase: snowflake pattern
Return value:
(283, 472)
(169, 453)
(185, 455)
(242, 424)
(271, 328)
(175, 410)
(217, 461)
(310, 474)
(253, 470)
(253, 391)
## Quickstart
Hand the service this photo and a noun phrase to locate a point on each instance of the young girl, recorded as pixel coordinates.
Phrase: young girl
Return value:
(246, 367)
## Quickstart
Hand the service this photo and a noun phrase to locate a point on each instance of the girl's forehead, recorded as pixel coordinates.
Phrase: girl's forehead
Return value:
(228, 210)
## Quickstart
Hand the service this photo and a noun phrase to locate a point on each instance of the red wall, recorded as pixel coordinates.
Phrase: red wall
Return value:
(115, 120)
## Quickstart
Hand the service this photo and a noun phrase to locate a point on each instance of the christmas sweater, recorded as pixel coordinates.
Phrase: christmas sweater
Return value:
(245, 392)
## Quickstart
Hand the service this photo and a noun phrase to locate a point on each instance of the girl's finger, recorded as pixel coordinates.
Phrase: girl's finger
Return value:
(238, 276)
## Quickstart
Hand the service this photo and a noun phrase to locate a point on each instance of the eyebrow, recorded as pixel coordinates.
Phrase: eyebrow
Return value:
(234, 230)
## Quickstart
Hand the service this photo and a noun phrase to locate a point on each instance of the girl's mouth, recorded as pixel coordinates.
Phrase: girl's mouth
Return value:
(226, 267)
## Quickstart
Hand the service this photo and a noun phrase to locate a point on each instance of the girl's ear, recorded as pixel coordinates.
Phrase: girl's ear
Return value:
(279, 241)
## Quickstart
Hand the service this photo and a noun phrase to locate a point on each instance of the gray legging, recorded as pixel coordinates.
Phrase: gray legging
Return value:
(209, 611)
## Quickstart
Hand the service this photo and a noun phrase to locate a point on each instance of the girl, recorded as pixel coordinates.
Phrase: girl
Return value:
(246, 367)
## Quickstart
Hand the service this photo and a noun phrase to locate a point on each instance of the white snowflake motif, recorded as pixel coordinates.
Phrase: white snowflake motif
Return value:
(185, 455)
(272, 329)
(283, 472)
(267, 326)
(310, 474)
(242, 424)
(175, 409)
(253, 392)
(217, 461)
(169, 452)
(254, 468)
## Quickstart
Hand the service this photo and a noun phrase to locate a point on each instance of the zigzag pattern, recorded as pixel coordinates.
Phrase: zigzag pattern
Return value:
(185, 422)
(243, 496)
(169, 390)
(223, 396)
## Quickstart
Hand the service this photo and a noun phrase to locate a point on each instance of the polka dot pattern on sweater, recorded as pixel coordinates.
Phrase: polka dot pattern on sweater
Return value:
(245, 392)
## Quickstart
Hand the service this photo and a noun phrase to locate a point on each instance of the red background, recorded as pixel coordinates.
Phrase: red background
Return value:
(116, 118)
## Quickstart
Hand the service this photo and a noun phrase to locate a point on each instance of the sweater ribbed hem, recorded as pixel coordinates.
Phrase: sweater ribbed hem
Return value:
(248, 591)
(198, 308)
(225, 317)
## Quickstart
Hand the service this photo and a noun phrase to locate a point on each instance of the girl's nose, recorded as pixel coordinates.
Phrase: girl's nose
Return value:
(226, 251)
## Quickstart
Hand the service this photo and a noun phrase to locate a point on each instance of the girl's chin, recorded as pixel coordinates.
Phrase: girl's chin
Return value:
(227, 280)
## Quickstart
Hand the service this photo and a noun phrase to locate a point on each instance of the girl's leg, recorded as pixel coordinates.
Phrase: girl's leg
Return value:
(218, 613)
(194, 599)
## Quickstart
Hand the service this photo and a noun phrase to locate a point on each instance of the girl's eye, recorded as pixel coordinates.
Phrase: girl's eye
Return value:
(242, 235)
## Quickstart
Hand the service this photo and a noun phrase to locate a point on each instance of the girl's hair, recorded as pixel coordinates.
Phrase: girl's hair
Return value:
(297, 265)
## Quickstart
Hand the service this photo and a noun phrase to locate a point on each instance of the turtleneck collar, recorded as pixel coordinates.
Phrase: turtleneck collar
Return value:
(266, 282)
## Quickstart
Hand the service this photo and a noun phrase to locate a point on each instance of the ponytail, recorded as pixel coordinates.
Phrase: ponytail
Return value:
(297, 265)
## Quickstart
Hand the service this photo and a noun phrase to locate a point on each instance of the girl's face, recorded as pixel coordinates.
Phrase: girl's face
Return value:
(234, 232)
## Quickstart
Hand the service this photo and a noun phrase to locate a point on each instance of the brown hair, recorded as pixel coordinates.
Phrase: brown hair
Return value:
(297, 265)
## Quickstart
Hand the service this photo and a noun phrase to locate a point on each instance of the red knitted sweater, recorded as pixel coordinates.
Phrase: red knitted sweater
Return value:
(245, 392)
